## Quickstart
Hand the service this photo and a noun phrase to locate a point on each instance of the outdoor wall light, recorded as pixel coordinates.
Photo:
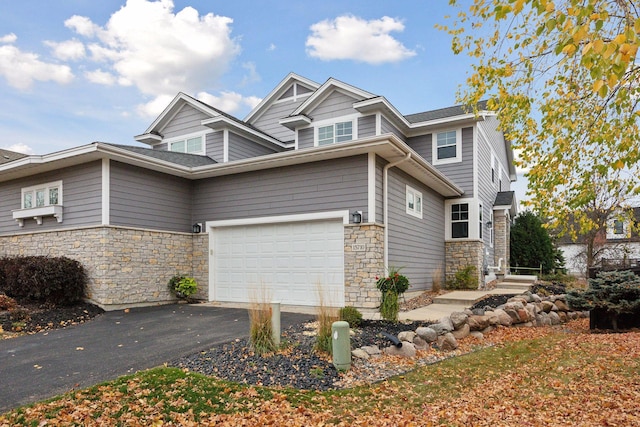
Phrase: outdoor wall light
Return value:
(357, 217)
(489, 223)
(196, 228)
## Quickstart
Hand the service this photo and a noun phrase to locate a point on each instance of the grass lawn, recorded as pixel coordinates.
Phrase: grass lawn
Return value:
(533, 376)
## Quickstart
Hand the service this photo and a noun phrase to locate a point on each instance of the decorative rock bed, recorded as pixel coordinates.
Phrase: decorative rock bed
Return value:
(526, 310)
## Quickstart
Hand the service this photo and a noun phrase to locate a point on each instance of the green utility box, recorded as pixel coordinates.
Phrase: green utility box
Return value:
(341, 345)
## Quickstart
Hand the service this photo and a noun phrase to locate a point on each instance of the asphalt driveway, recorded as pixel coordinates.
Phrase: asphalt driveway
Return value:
(40, 366)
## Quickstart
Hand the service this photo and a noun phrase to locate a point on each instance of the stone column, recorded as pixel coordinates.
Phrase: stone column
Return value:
(363, 262)
(502, 236)
(460, 254)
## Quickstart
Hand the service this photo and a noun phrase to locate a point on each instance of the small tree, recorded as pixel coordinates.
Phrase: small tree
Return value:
(613, 298)
(391, 287)
(531, 245)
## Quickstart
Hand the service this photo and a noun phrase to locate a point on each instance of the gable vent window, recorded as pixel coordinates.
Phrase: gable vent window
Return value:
(190, 145)
(338, 132)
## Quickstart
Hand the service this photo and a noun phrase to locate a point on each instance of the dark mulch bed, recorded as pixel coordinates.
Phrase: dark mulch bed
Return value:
(43, 317)
(299, 366)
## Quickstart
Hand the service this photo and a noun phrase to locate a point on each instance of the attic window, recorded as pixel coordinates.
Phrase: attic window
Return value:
(189, 145)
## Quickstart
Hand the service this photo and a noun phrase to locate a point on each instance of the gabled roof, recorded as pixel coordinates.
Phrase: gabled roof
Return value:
(506, 200)
(153, 132)
(277, 92)
(7, 156)
(217, 119)
(183, 159)
(325, 90)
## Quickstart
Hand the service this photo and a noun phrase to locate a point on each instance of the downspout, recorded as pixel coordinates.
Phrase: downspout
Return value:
(385, 198)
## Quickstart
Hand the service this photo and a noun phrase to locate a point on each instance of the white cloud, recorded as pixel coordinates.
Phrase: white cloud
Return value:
(8, 38)
(100, 77)
(20, 148)
(154, 107)
(229, 102)
(70, 50)
(252, 75)
(271, 47)
(82, 25)
(145, 44)
(252, 101)
(351, 37)
(21, 69)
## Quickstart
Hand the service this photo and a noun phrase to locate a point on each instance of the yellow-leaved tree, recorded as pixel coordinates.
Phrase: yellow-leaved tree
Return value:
(565, 79)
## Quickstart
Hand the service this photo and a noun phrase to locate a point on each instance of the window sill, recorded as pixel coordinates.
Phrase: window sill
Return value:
(37, 213)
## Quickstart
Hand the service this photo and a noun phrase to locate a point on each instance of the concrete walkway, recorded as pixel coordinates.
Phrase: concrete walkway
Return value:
(455, 301)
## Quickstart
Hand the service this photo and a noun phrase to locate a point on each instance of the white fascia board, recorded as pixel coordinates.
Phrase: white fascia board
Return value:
(331, 84)
(222, 122)
(148, 138)
(314, 216)
(295, 121)
(276, 93)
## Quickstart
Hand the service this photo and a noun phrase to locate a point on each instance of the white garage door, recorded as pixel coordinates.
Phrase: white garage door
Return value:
(295, 263)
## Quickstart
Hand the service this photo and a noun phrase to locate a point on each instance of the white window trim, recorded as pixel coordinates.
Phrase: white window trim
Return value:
(491, 228)
(37, 212)
(184, 138)
(474, 232)
(480, 221)
(434, 147)
(322, 123)
(611, 229)
(416, 195)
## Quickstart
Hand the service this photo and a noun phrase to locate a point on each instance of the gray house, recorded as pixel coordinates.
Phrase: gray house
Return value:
(310, 197)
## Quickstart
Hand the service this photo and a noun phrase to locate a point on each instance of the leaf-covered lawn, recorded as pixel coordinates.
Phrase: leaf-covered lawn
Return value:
(532, 377)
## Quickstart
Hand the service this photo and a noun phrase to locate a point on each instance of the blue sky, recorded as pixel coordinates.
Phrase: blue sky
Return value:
(77, 71)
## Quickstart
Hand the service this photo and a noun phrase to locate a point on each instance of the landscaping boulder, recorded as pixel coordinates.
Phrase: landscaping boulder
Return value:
(555, 318)
(407, 350)
(372, 350)
(419, 343)
(406, 336)
(478, 323)
(447, 342)
(359, 353)
(458, 319)
(462, 332)
(426, 333)
(503, 318)
(442, 328)
(562, 306)
(547, 306)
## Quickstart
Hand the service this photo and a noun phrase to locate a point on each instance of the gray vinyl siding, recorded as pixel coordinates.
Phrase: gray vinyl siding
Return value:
(149, 199)
(162, 147)
(214, 147)
(416, 245)
(387, 127)
(313, 187)
(268, 122)
(186, 121)
(460, 173)
(242, 148)
(366, 126)
(495, 140)
(305, 138)
(336, 105)
(81, 200)
(380, 163)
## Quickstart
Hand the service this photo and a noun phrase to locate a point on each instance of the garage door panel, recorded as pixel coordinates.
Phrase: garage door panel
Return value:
(286, 261)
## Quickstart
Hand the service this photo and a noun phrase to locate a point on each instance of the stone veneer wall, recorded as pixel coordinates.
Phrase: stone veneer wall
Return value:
(459, 255)
(363, 261)
(502, 238)
(126, 266)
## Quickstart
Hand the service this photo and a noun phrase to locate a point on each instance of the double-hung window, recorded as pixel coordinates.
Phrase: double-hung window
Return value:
(618, 227)
(414, 202)
(447, 147)
(192, 145)
(460, 221)
(337, 132)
